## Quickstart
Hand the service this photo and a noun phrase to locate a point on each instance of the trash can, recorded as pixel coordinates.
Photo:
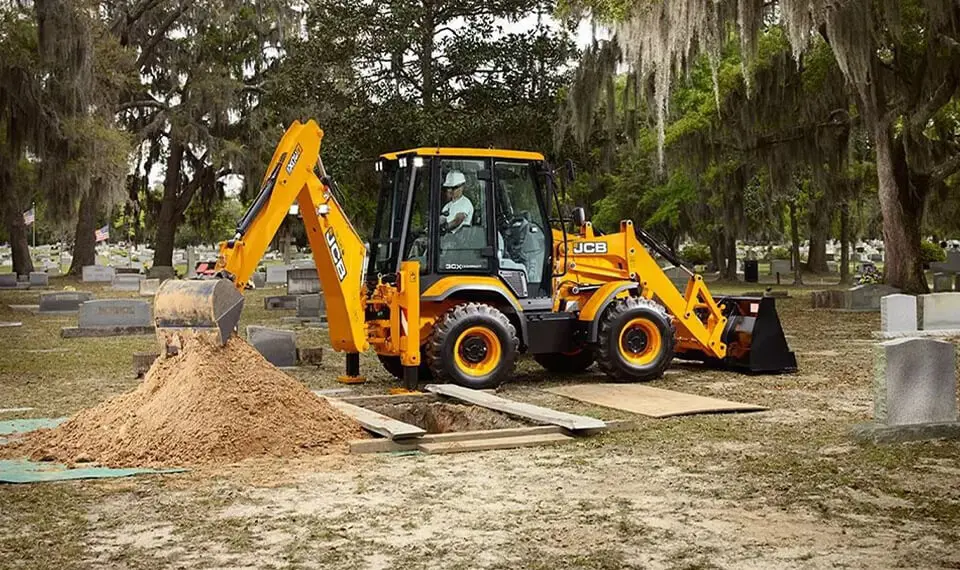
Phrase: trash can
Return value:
(751, 271)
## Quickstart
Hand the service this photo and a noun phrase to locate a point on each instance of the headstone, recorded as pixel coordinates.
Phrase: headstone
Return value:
(126, 270)
(114, 313)
(39, 279)
(915, 382)
(875, 257)
(279, 347)
(98, 274)
(277, 274)
(63, 301)
(898, 313)
(258, 279)
(303, 281)
(280, 302)
(162, 272)
(8, 280)
(867, 297)
(781, 266)
(677, 276)
(312, 355)
(942, 282)
(311, 306)
(191, 263)
(830, 257)
(940, 311)
(126, 282)
(833, 267)
(148, 287)
(951, 265)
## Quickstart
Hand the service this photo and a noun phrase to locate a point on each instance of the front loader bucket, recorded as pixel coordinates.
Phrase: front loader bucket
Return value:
(211, 306)
(754, 338)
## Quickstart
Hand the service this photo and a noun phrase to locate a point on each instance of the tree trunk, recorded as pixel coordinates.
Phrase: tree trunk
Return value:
(170, 211)
(819, 233)
(795, 248)
(902, 211)
(844, 244)
(716, 257)
(84, 241)
(427, 30)
(18, 232)
(730, 271)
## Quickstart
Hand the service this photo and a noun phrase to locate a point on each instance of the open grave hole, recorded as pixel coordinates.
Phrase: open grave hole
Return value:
(443, 417)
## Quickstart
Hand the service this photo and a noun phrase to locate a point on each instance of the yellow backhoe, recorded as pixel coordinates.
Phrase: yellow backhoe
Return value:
(466, 269)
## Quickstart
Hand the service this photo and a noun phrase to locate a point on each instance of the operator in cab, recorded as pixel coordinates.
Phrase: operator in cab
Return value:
(458, 211)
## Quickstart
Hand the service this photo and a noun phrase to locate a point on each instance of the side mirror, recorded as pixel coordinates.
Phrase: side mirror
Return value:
(579, 217)
(571, 171)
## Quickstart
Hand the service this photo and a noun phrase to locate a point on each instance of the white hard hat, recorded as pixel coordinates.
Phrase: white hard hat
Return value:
(454, 178)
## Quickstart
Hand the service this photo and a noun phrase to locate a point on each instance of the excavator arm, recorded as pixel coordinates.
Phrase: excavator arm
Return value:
(296, 174)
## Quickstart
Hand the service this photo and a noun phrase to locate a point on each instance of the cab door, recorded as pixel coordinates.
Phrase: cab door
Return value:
(523, 231)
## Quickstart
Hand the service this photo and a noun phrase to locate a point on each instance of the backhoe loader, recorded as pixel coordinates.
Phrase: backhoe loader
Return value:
(466, 269)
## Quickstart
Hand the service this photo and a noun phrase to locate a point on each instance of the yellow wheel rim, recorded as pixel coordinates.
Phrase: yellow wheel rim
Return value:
(477, 351)
(640, 341)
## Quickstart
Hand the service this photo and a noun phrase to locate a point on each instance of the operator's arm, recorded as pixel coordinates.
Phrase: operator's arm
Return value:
(456, 221)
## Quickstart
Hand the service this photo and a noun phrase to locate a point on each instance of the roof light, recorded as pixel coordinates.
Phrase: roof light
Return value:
(403, 163)
(418, 162)
(377, 166)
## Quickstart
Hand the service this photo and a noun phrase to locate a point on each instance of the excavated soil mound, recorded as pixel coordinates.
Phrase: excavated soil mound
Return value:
(208, 404)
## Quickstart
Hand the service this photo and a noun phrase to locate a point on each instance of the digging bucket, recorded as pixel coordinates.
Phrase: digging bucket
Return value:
(754, 337)
(211, 306)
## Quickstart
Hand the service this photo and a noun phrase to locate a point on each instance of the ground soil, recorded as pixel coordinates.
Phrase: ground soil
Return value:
(786, 488)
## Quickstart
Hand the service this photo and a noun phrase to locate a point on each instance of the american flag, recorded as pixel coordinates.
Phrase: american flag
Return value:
(29, 217)
(103, 234)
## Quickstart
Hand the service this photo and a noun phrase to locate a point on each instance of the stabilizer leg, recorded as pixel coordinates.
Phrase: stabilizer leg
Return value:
(352, 375)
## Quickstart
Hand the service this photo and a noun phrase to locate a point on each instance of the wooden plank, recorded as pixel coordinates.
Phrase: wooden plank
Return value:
(378, 423)
(386, 445)
(519, 409)
(494, 443)
(649, 401)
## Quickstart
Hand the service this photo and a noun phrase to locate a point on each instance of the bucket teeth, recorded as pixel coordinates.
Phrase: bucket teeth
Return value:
(210, 307)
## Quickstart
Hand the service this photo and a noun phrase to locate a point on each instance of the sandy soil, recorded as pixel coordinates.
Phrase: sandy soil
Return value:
(786, 488)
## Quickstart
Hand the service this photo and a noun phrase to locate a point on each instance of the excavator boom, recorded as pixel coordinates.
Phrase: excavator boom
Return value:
(295, 174)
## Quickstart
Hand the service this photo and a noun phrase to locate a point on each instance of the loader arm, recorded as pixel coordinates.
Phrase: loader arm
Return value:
(296, 173)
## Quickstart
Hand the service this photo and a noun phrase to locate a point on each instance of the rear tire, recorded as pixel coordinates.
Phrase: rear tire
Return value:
(566, 363)
(393, 365)
(637, 339)
(473, 345)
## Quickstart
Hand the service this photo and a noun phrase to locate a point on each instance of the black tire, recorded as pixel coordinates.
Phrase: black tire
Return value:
(570, 363)
(636, 340)
(487, 342)
(393, 365)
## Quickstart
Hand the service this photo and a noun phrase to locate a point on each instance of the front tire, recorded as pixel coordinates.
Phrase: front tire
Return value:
(473, 345)
(637, 339)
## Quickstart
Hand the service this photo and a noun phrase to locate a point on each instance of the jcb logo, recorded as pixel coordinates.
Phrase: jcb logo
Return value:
(337, 254)
(293, 159)
(589, 247)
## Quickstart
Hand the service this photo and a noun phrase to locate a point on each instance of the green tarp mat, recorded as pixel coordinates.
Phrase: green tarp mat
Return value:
(10, 427)
(24, 471)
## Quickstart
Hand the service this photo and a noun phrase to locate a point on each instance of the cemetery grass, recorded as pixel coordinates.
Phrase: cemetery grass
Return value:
(782, 488)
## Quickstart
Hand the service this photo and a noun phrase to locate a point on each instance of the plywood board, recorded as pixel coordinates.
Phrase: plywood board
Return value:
(493, 443)
(650, 401)
(385, 445)
(378, 423)
(519, 409)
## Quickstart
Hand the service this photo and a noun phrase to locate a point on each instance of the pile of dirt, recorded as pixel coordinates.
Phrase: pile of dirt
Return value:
(207, 404)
